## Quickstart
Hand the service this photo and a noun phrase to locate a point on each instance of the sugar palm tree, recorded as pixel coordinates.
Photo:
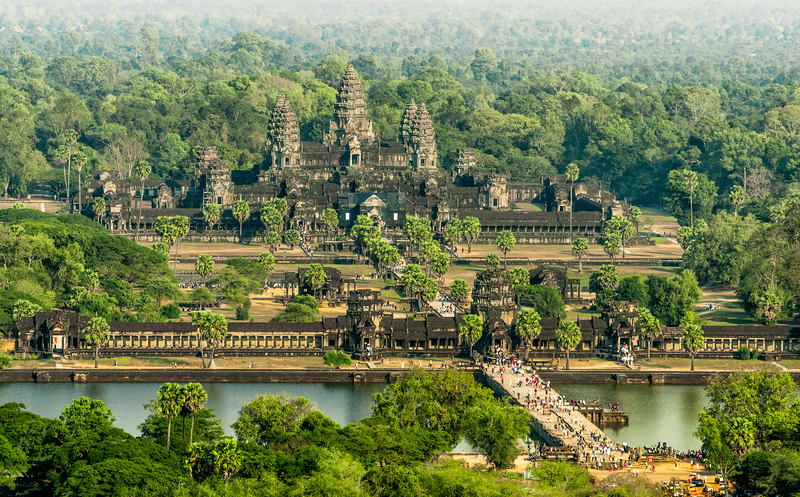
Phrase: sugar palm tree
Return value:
(194, 398)
(573, 171)
(241, 211)
(505, 242)
(226, 458)
(80, 161)
(96, 334)
(568, 336)
(169, 403)
(649, 327)
(99, 208)
(471, 330)
(142, 170)
(580, 247)
(211, 215)
(315, 277)
(528, 327)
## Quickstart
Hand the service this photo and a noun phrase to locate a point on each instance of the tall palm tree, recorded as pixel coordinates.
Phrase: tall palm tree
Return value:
(143, 170)
(568, 336)
(573, 171)
(194, 398)
(471, 330)
(96, 334)
(169, 403)
(80, 161)
(211, 215)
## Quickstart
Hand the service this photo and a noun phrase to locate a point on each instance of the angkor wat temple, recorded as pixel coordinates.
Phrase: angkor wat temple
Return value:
(353, 172)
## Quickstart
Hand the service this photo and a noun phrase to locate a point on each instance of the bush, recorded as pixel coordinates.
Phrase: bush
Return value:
(171, 311)
(546, 300)
(296, 313)
(744, 353)
(202, 294)
(337, 358)
(5, 361)
(306, 300)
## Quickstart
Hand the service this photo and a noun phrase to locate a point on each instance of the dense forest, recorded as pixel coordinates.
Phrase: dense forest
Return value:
(695, 108)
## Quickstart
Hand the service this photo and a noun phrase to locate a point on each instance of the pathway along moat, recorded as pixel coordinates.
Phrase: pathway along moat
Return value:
(665, 413)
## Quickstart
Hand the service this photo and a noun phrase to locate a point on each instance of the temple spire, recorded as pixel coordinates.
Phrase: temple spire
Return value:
(407, 122)
(350, 124)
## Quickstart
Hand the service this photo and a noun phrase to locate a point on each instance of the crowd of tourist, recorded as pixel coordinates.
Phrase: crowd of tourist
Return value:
(306, 246)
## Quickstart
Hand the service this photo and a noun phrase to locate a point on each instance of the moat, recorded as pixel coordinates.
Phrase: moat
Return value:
(665, 413)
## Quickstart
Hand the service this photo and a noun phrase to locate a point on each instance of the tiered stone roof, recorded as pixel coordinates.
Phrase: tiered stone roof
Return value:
(350, 114)
(283, 133)
(407, 122)
(422, 134)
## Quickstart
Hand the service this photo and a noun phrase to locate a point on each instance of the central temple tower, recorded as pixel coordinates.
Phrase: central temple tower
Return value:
(350, 128)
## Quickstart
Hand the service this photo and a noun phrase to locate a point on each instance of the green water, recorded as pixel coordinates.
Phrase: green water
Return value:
(657, 413)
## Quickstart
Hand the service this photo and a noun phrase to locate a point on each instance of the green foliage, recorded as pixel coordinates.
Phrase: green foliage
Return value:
(268, 420)
(494, 429)
(202, 294)
(471, 328)
(5, 361)
(633, 288)
(492, 260)
(171, 311)
(306, 300)
(568, 336)
(295, 313)
(604, 284)
(459, 290)
(204, 265)
(85, 414)
(336, 358)
(544, 299)
(431, 401)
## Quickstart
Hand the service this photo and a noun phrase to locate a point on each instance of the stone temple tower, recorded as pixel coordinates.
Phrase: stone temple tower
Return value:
(407, 122)
(283, 136)
(350, 127)
(422, 142)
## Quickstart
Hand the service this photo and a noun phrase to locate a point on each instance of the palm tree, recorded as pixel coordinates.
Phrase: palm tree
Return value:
(194, 398)
(528, 327)
(241, 211)
(505, 242)
(99, 207)
(212, 327)
(62, 155)
(471, 329)
(568, 336)
(649, 327)
(211, 215)
(315, 277)
(580, 247)
(96, 334)
(180, 228)
(266, 261)
(204, 265)
(80, 161)
(227, 459)
(169, 404)
(693, 339)
(142, 170)
(737, 196)
(573, 171)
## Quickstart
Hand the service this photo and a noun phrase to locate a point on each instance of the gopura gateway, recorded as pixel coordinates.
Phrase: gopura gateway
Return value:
(353, 172)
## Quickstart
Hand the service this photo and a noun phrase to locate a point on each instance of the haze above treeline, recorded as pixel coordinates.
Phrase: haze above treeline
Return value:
(617, 39)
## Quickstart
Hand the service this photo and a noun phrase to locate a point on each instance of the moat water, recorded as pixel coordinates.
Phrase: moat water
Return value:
(657, 413)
